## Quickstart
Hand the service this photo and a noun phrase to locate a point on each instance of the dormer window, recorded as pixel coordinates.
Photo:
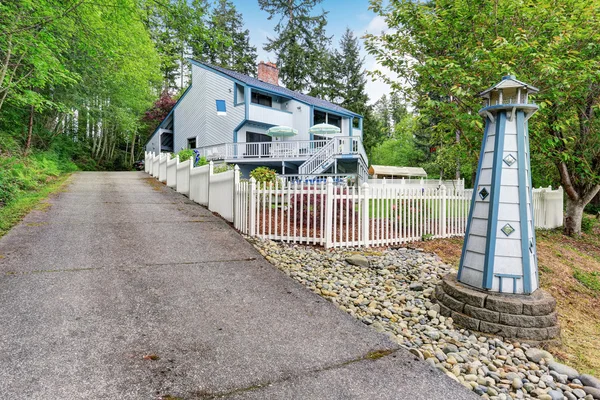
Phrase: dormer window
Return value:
(261, 99)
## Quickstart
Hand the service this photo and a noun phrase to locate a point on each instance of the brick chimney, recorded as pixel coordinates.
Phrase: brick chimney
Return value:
(268, 72)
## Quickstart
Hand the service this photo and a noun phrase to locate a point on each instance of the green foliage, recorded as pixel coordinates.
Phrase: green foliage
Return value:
(587, 224)
(201, 161)
(24, 202)
(234, 52)
(185, 155)
(349, 73)
(222, 168)
(301, 42)
(264, 175)
(590, 280)
(447, 52)
(19, 175)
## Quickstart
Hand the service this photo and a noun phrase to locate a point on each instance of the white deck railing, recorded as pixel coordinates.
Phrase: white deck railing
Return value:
(286, 150)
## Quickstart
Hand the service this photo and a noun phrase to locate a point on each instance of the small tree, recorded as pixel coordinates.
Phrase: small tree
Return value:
(264, 176)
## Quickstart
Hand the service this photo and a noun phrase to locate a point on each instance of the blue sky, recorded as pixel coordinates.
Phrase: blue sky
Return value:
(354, 14)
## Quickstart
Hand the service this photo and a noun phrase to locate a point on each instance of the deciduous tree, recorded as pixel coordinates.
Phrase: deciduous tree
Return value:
(448, 51)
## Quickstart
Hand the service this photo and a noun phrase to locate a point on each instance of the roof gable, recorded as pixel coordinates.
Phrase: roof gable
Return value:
(275, 89)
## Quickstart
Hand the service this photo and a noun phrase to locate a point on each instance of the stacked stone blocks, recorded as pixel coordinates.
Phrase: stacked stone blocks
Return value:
(523, 318)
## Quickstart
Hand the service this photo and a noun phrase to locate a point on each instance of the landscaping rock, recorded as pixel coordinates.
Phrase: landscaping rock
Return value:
(396, 297)
(358, 260)
(592, 391)
(536, 355)
(588, 380)
(562, 369)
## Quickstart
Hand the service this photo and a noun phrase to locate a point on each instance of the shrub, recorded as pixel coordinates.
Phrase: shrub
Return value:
(264, 175)
(201, 161)
(185, 155)
(222, 168)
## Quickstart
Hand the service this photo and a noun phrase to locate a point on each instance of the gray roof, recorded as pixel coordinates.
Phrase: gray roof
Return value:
(509, 81)
(258, 84)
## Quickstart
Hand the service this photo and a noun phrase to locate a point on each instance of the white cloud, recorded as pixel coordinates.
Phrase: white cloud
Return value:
(376, 26)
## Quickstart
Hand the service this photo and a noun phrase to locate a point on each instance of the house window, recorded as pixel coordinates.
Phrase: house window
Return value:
(334, 120)
(221, 109)
(319, 117)
(252, 137)
(261, 99)
(191, 143)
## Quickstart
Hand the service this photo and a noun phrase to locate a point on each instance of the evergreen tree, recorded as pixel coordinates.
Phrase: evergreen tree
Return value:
(397, 109)
(350, 80)
(299, 43)
(235, 52)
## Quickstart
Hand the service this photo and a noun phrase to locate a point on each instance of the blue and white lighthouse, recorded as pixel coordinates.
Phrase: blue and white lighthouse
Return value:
(499, 252)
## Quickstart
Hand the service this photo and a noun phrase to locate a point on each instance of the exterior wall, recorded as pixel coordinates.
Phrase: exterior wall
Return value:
(196, 115)
(301, 119)
(271, 115)
(153, 144)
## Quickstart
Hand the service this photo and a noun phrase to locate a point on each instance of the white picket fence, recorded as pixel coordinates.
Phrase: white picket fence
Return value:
(333, 216)
(548, 207)
(420, 183)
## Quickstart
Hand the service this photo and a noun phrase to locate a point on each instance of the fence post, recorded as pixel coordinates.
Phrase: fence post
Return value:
(328, 213)
(210, 174)
(236, 182)
(443, 209)
(365, 213)
(176, 169)
(252, 213)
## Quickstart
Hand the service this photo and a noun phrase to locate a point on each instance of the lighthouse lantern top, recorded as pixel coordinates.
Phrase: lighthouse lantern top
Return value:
(508, 91)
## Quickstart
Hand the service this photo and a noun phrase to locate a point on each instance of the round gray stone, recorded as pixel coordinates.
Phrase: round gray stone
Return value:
(562, 369)
(536, 355)
(589, 380)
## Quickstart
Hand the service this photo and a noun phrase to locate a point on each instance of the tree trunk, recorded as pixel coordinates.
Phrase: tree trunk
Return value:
(29, 131)
(132, 149)
(573, 217)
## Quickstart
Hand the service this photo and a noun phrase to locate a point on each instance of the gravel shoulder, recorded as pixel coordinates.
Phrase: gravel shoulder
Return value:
(94, 306)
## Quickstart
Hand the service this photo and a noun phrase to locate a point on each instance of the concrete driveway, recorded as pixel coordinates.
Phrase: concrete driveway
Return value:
(124, 289)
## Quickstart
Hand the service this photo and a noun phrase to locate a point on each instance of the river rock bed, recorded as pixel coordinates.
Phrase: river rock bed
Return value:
(392, 291)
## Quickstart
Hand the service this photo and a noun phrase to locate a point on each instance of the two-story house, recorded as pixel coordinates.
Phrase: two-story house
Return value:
(226, 115)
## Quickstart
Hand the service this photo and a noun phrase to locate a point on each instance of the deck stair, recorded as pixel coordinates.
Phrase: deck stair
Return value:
(320, 161)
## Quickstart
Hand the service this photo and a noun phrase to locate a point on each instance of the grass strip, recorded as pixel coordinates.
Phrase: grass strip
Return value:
(13, 212)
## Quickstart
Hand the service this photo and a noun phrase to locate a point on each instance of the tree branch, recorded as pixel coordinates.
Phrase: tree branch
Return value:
(566, 181)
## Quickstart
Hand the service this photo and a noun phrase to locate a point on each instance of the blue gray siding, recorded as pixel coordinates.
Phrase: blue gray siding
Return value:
(153, 144)
(196, 115)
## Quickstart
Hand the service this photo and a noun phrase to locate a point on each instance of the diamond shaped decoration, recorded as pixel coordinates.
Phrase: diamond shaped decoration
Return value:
(531, 246)
(507, 229)
(510, 160)
(483, 193)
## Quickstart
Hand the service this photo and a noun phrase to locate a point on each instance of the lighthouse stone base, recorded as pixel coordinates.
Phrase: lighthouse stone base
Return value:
(525, 318)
